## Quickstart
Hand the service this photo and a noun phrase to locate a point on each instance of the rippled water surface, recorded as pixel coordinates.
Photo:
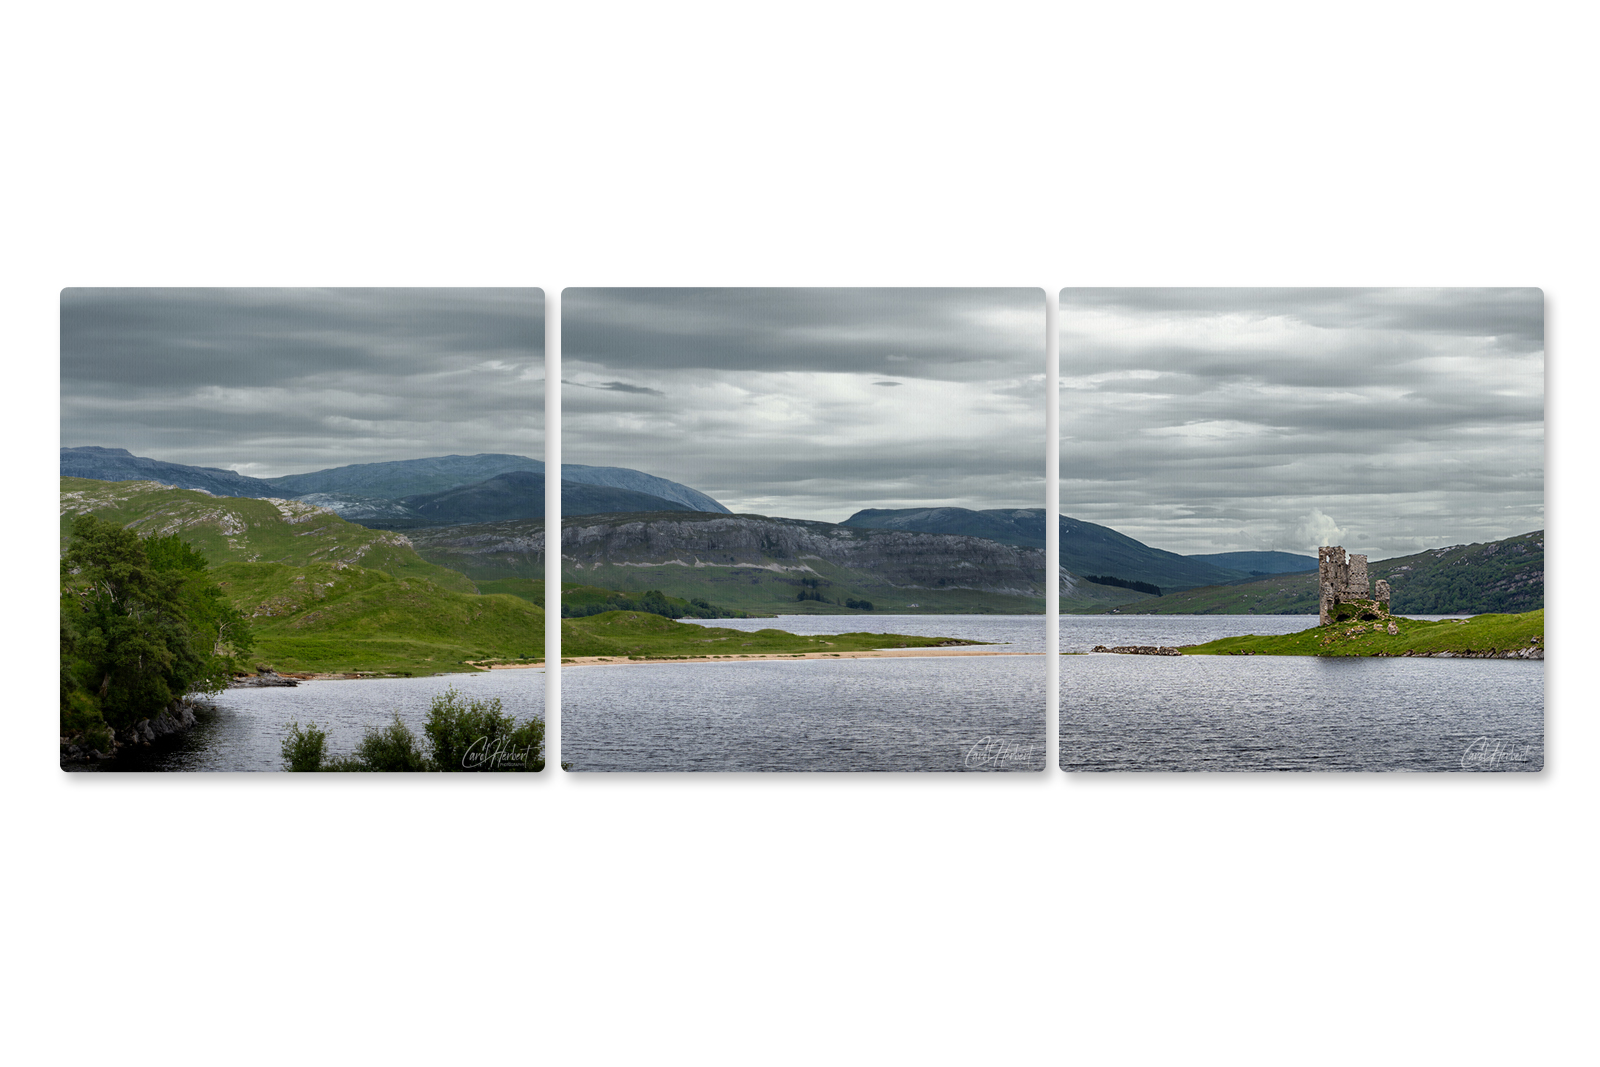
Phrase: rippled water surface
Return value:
(251, 723)
(982, 713)
(1305, 713)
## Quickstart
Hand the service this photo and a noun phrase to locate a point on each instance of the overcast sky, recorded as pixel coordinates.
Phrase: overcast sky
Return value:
(1385, 420)
(812, 403)
(280, 381)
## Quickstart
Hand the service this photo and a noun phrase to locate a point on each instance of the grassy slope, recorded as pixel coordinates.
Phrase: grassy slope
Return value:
(241, 530)
(324, 594)
(323, 617)
(1481, 633)
(761, 592)
(639, 635)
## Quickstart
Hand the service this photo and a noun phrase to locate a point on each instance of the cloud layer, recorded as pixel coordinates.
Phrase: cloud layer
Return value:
(1208, 420)
(279, 381)
(812, 403)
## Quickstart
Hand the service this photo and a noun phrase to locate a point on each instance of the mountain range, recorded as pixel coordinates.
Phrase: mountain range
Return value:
(1086, 548)
(401, 494)
(633, 531)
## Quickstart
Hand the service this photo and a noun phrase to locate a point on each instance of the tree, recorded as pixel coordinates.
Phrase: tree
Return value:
(142, 624)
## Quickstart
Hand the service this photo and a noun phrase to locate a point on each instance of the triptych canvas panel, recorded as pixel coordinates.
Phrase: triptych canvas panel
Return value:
(803, 529)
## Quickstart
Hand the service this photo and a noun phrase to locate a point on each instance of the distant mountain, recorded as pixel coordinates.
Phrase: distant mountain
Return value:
(1023, 527)
(120, 465)
(402, 479)
(1085, 547)
(638, 482)
(503, 498)
(367, 492)
(405, 477)
(1256, 563)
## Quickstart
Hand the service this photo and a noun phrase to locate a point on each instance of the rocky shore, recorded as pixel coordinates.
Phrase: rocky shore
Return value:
(1516, 653)
(175, 718)
(1139, 650)
(267, 678)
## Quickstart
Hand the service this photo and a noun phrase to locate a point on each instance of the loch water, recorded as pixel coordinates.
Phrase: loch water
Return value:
(249, 725)
(922, 713)
(954, 713)
(1287, 713)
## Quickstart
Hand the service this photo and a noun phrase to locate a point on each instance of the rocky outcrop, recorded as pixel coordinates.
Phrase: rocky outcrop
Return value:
(890, 557)
(1533, 652)
(1138, 650)
(701, 540)
(176, 718)
(267, 678)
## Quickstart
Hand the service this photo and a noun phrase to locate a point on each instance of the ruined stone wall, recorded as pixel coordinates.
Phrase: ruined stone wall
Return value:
(1341, 579)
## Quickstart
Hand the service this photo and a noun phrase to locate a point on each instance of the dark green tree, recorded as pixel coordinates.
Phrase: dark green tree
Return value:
(142, 624)
(478, 735)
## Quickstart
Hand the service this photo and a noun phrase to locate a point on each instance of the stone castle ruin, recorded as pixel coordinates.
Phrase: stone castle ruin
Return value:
(1346, 593)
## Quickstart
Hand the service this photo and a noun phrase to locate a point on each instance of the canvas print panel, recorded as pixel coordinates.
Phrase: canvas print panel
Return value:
(803, 529)
(1304, 529)
(259, 489)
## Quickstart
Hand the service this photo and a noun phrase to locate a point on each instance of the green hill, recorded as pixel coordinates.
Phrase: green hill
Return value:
(1497, 577)
(322, 594)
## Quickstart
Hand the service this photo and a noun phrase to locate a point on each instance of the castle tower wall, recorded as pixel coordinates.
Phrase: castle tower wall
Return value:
(1342, 579)
(1356, 583)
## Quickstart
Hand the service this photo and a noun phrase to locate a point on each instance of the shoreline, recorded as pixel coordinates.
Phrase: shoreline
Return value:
(885, 653)
(592, 661)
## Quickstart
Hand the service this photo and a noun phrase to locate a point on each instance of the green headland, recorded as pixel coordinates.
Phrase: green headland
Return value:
(1482, 636)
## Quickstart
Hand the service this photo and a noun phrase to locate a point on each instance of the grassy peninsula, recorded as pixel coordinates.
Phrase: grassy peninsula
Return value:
(1479, 636)
(634, 635)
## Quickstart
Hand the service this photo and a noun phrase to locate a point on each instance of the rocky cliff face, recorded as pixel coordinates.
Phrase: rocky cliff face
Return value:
(698, 540)
(891, 557)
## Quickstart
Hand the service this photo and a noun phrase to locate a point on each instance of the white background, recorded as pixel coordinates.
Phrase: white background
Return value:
(748, 919)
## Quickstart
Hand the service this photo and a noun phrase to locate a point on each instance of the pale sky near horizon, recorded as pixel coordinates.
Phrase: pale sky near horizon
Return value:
(1385, 420)
(280, 381)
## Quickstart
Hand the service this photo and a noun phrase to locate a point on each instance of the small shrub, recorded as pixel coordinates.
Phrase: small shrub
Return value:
(389, 748)
(304, 748)
(477, 735)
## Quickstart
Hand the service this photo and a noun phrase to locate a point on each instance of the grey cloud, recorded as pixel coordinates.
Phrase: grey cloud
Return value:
(956, 334)
(1207, 420)
(273, 381)
(779, 405)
